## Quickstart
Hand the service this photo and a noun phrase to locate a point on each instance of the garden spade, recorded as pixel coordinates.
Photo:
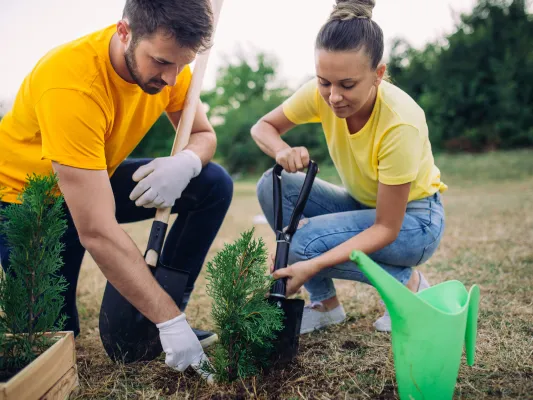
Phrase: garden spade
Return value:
(287, 340)
(126, 334)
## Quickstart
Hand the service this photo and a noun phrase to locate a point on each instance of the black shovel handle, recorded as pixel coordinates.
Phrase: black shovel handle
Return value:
(283, 237)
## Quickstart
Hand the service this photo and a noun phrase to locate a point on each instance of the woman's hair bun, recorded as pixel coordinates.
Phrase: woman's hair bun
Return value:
(350, 9)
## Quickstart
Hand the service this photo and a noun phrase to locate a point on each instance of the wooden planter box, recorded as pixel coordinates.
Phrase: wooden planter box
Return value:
(51, 376)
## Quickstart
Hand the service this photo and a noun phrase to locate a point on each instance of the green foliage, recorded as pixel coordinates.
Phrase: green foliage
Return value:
(239, 99)
(465, 170)
(246, 322)
(158, 140)
(244, 92)
(30, 292)
(477, 87)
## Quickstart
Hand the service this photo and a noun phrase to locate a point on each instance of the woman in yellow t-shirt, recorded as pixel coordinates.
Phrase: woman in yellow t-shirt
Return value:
(390, 204)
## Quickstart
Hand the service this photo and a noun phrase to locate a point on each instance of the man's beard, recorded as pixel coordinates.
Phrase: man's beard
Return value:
(131, 64)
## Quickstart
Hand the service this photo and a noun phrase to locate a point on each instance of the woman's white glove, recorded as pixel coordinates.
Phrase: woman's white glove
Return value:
(163, 180)
(182, 347)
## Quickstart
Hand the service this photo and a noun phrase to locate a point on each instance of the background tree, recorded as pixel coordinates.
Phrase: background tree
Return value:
(244, 92)
(477, 86)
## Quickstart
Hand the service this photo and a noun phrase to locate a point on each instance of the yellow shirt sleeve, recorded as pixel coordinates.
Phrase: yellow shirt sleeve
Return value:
(302, 106)
(178, 92)
(72, 128)
(399, 155)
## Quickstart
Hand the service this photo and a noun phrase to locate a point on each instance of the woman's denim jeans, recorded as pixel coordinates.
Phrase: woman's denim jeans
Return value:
(333, 216)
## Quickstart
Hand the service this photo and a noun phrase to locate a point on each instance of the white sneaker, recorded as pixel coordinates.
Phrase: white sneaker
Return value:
(313, 319)
(383, 323)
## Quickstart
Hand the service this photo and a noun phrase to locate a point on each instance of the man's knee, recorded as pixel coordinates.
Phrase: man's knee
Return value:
(219, 181)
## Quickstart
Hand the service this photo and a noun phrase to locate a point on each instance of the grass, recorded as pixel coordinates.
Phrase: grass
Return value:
(474, 169)
(462, 170)
(487, 241)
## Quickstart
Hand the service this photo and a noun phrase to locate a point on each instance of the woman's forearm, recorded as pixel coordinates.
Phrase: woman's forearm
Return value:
(268, 138)
(370, 240)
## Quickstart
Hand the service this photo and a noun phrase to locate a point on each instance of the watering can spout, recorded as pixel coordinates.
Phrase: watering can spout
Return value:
(395, 295)
(471, 325)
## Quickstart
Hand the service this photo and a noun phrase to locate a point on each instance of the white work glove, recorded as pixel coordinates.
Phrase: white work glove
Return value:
(182, 347)
(162, 181)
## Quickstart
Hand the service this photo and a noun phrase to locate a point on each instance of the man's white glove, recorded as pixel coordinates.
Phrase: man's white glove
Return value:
(182, 347)
(162, 181)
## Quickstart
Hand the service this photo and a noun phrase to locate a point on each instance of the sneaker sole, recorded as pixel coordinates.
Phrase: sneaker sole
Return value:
(209, 341)
(381, 329)
(317, 328)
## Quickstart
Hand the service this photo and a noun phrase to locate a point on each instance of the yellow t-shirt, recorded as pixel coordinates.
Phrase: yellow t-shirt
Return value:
(392, 148)
(75, 109)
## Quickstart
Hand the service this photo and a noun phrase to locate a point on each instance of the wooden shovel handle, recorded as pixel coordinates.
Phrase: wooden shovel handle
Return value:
(183, 131)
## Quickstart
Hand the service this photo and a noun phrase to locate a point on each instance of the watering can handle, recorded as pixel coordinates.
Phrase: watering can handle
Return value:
(283, 237)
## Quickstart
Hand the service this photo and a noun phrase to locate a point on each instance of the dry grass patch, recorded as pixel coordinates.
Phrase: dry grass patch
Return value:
(487, 241)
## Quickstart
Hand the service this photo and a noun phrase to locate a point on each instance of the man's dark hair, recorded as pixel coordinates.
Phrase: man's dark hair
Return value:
(190, 22)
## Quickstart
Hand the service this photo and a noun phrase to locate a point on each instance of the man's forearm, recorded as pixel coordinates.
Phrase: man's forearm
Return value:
(124, 267)
(204, 144)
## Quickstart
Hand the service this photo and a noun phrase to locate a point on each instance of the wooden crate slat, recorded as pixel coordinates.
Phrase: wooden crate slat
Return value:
(34, 380)
(64, 386)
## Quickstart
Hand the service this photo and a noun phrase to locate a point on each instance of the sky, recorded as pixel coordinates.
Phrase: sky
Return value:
(286, 29)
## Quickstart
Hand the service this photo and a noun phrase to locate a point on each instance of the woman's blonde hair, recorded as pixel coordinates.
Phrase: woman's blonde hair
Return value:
(350, 27)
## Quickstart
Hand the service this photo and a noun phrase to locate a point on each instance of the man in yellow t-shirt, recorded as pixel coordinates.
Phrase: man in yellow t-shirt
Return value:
(389, 205)
(80, 112)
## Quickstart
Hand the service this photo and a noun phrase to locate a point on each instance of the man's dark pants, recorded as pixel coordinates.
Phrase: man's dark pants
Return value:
(201, 211)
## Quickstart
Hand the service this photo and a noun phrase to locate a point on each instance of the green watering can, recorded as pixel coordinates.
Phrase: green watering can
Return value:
(428, 331)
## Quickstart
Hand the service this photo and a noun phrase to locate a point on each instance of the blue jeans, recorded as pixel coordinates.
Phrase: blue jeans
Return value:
(333, 217)
(201, 211)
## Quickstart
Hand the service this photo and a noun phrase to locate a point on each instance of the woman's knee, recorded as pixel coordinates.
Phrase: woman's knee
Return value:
(291, 185)
(306, 244)
(264, 189)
